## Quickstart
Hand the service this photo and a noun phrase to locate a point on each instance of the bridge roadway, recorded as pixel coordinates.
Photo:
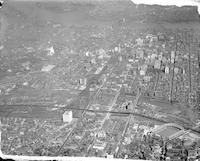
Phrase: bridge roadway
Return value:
(91, 101)
(127, 124)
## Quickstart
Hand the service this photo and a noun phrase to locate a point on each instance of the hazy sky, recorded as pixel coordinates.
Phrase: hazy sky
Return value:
(170, 2)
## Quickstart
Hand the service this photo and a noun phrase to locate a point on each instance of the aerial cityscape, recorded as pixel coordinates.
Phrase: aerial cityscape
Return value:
(108, 79)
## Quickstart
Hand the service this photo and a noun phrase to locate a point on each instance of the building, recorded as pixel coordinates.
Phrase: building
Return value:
(142, 72)
(172, 54)
(164, 60)
(82, 83)
(99, 145)
(176, 70)
(157, 64)
(101, 134)
(110, 156)
(93, 61)
(1, 2)
(161, 37)
(130, 60)
(153, 56)
(192, 98)
(102, 52)
(198, 97)
(158, 93)
(87, 53)
(143, 69)
(47, 68)
(67, 116)
(147, 78)
(51, 51)
(26, 65)
(140, 54)
(166, 70)
(120, 58)
(99, 70)
(168, 130)
(152, 38)
(140, 41)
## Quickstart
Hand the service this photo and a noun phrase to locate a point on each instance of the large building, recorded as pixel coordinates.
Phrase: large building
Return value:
(67, 116)
(172, 131)
(167, 130)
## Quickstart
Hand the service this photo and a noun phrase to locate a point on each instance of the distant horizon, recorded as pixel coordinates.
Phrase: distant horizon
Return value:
(178, 3)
